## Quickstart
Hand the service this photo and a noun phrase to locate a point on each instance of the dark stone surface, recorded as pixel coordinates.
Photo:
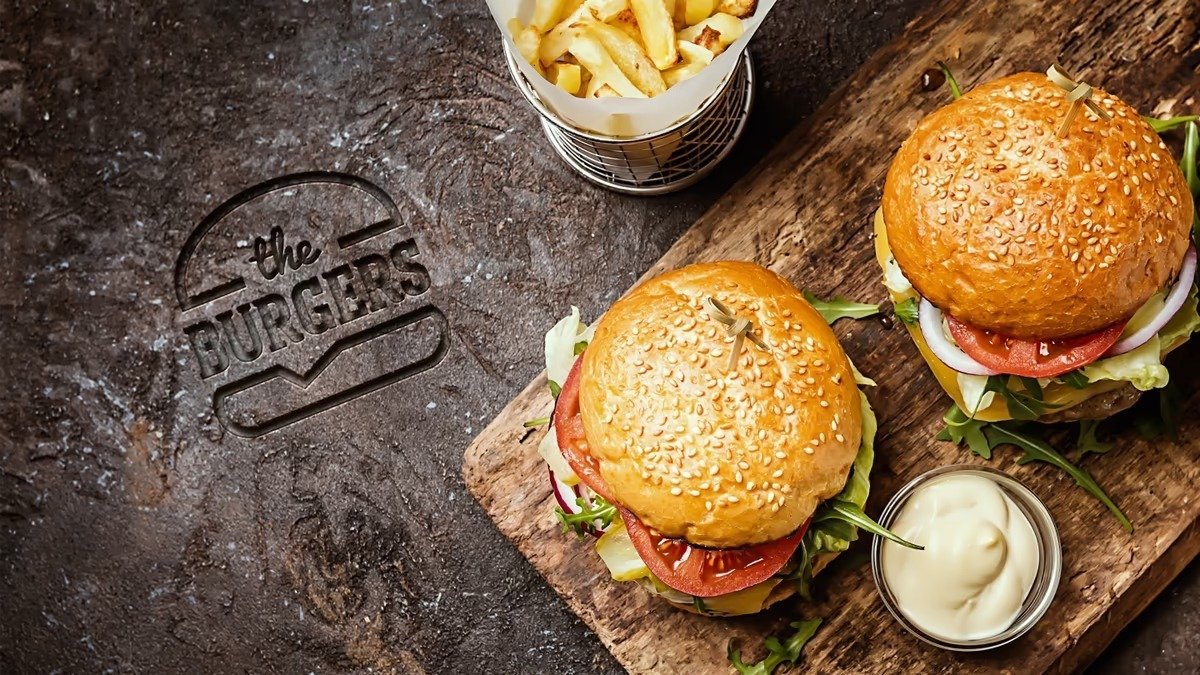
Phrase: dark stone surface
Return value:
(136, 534)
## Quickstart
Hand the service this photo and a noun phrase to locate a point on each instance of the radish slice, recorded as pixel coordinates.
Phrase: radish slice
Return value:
(943, 347)
(1171, 305)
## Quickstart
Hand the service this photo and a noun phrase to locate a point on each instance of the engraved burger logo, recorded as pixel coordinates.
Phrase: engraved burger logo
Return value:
(301, 294)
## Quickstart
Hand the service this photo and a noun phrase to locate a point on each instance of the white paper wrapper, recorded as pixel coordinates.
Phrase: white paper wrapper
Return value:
(624, 117)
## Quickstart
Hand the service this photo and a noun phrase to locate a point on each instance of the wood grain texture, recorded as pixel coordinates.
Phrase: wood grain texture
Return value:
(805, 212)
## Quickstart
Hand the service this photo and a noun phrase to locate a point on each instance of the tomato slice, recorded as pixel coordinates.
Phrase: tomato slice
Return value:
(1032, 358)
(708, 572)
(568, 427)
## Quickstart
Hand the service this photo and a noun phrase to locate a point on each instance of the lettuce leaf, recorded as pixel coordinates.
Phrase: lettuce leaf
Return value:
(1143, 366)
(561, 346)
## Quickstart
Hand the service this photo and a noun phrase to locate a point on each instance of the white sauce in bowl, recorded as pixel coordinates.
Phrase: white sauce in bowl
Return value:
(980, 560)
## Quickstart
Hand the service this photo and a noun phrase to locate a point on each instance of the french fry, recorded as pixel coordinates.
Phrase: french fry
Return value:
(555, 42)
(630, 57)
(739, 8)
(678, 9)
(607, 10)
(592, 55)
(566, 76)
(698, 10)
(729, 26)
(605, 91)
(658, 31)
(546, 13)
(710, 40)
(695, 59)
(628, 24)
(526, 39)
(592, 86)
(694, 53)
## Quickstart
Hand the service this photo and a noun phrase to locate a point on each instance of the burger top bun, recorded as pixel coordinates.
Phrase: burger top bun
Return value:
(1006, 226)
(720, 458)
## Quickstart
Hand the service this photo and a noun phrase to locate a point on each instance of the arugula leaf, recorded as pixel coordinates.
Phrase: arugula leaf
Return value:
(1074, 379)
(698, 603)
(1170, 123)
(583, 522)
(955, 91)
(959, 428)
(580, 346)
(802, 576)
(1164, 420)
(1087, 441)
(906, 311)
(1191, 145)
(850, 513)
(555, 388)
(535, 423)
(778, 652)
(839, 308)
(1037, 450)
(1022, 405)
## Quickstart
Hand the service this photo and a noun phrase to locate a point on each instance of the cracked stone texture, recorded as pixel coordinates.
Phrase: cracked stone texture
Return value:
(137, 535)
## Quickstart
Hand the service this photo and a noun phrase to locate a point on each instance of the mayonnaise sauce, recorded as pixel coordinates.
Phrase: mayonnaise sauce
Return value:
(980, 559)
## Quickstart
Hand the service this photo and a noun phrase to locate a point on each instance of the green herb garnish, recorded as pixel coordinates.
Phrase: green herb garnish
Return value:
(555, 388)
(1170, 123)
(955, 90)
(840, 308)
(1163, 420)
(1191, 146)
(778, 652)
(1022, 405)
(585, 521)
(1074, 379)
(1087, 441)
(906, 311)
(984, 437)
(851, 514)
(698, 603)
(580, 346)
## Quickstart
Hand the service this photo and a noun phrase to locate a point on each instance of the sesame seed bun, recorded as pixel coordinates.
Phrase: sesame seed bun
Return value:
(721, 459)
(1006, 226)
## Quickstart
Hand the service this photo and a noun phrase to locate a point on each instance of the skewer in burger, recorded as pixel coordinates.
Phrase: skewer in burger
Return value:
(710, 432)
(1035, 239)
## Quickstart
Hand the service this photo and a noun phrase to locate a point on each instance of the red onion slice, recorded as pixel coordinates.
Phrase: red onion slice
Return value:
(566, 497)
(943, 347)
(1171, 305)
(563, 494)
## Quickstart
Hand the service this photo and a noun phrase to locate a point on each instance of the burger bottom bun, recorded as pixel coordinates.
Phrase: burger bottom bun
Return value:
(781, 592)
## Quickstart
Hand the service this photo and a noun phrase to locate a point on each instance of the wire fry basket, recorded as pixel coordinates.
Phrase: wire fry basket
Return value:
(658, 162)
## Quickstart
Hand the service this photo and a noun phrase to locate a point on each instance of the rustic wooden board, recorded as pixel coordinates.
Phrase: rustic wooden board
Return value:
(805, 212)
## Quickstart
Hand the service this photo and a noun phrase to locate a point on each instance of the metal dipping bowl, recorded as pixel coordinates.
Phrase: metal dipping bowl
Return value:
(1045, 584)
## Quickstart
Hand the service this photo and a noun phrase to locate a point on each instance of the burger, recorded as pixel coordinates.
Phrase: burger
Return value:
(1035, 237)
(709, 431)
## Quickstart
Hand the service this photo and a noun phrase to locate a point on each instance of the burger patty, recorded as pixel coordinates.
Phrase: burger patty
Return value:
(1098, 407)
